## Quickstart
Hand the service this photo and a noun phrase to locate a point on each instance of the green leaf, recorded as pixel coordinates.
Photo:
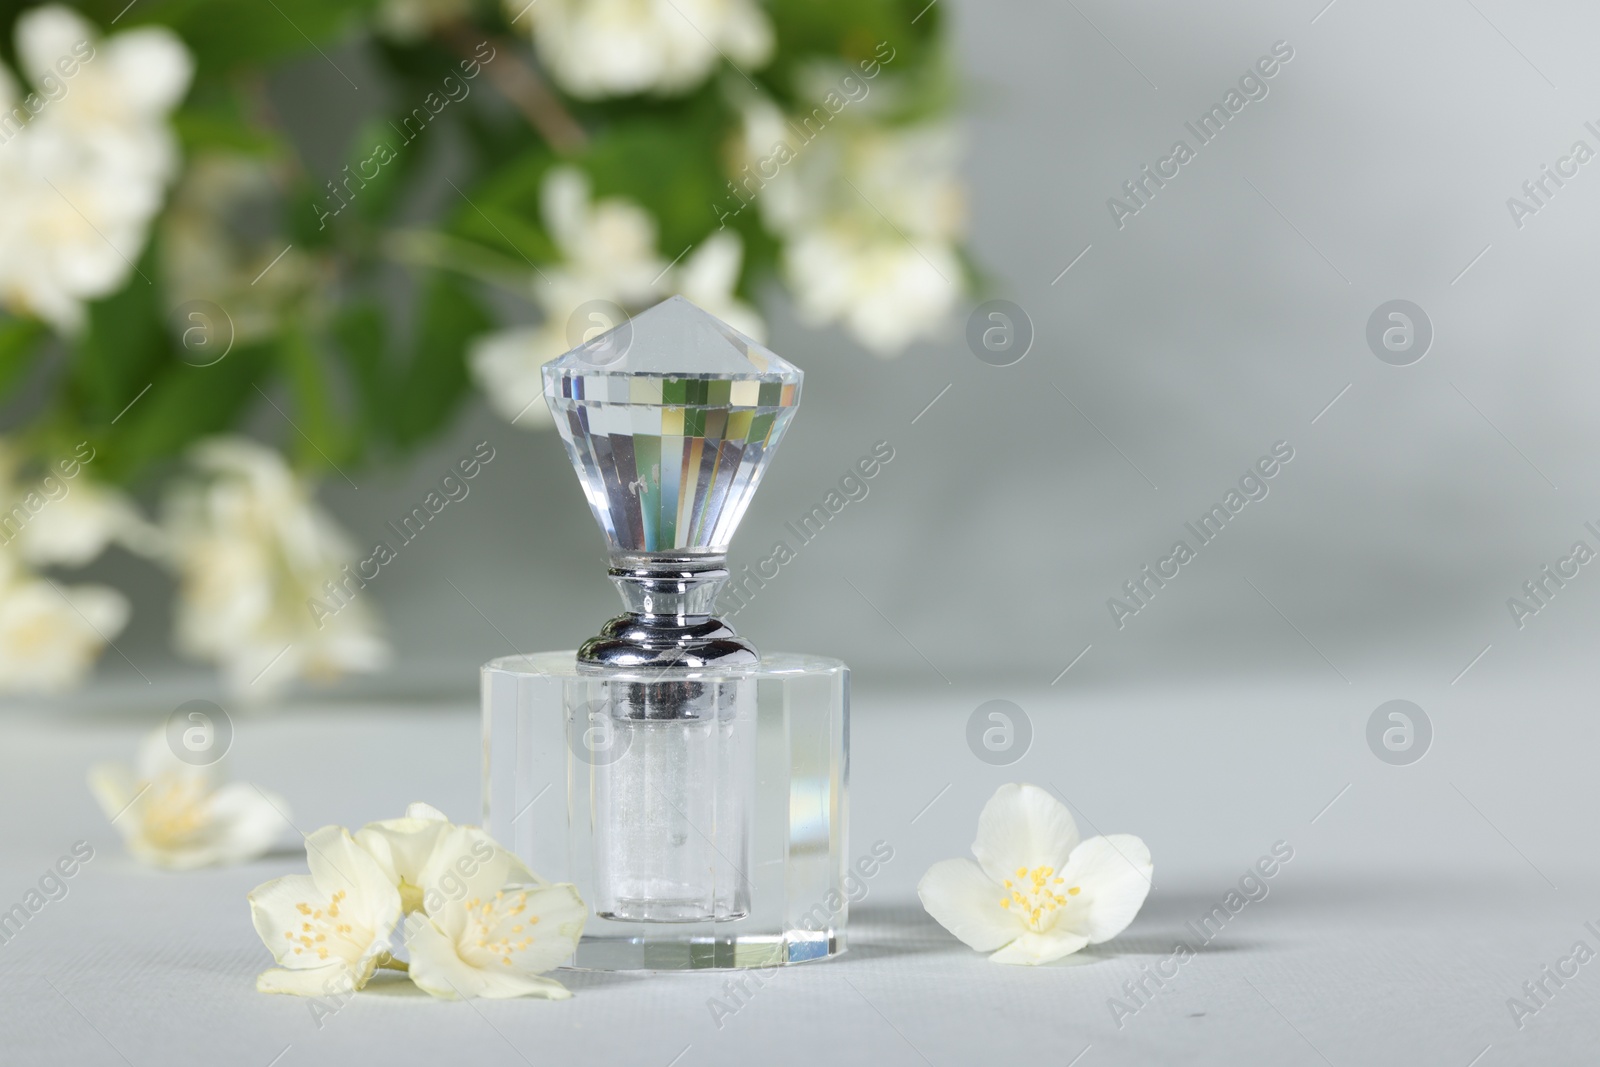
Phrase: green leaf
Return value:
(502, 211)
(200, 131)
(313, 424)
(307, 219)
(671, 167)
(382, 165)
(124, 347)
(402, 402)
(437, 378)
(360, 340)
(183, 405)
(19, 343)
(225, 34)
(851, 30)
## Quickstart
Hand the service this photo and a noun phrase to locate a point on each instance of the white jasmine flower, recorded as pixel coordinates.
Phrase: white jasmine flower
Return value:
(1037, 893)
(328, 930)
(484, 936)
(481, 924)
(886, 291)
(115, 105)
(902, 176)
(403, 847)
(408, 849)
(78, 521)
(871, 216)
(506, 365)
(50, 635)
(265, 586)
(87, 172)
(708, 277)
(64, 518)
(609, 254)
(596, 48)
(608, 246)
(178, 816)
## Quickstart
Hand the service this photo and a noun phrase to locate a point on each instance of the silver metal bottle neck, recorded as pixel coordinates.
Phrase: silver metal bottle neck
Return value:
(668, 622)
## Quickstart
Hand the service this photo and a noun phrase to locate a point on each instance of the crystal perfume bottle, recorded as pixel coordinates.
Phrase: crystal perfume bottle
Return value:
(691, 787)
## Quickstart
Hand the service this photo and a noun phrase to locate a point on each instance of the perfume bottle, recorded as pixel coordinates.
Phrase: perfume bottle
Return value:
(693, 788)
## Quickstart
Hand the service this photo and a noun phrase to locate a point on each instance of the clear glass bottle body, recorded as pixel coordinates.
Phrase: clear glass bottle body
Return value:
(701, 814)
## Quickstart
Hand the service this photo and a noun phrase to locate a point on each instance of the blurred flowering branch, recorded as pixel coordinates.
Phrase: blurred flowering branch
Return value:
(179, 257)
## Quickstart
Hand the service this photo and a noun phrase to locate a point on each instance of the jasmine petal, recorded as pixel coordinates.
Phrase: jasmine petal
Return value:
(1037, 893)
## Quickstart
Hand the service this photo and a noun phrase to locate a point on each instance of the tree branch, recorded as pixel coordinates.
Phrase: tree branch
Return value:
(521, 84)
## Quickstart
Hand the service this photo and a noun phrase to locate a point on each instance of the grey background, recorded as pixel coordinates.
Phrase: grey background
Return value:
(1224, 317)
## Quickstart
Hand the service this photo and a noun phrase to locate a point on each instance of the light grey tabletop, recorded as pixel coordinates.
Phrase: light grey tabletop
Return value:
(1419, 900)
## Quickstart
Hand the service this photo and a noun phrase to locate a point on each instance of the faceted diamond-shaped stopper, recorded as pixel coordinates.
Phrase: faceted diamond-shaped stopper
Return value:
(670, 420)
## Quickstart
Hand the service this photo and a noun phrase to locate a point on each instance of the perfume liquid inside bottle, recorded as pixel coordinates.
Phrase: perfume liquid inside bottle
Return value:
(673, 808)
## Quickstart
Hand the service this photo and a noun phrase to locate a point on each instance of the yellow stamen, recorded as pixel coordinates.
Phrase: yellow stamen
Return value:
(1036, 899)
(317, 933)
